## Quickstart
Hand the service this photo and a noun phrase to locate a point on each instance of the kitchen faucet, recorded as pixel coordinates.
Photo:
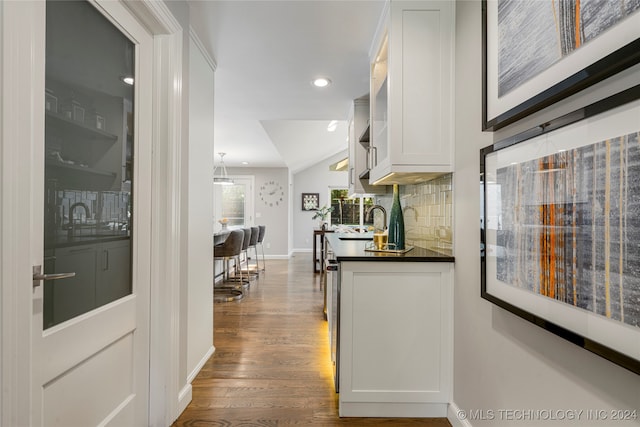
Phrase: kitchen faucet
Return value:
(71, 226)
(384, 215)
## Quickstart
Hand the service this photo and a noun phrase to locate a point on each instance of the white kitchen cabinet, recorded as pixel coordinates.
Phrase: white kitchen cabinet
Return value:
(396, 346)
(411, 92)
(359, 165)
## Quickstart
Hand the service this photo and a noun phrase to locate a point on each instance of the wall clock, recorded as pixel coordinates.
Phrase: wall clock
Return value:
(271, 193)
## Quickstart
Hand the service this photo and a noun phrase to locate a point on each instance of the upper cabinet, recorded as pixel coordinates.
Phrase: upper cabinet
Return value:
(359, 150)
(87, 138)
(411, 92)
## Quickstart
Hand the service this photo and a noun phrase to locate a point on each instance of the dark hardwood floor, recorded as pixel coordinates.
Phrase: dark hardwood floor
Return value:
(271, 366)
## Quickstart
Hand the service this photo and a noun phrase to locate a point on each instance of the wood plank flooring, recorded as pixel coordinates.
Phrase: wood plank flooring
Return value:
(272, 366)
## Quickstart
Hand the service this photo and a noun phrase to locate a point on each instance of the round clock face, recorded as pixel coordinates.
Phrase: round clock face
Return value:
(272, 193)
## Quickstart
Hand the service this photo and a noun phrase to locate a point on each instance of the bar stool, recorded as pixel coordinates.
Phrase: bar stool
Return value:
(262, 229)
(245, 245)
(226, 251)
(255, 234)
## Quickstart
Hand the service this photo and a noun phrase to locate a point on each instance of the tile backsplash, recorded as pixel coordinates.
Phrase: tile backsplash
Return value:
(428, 213)
(103, 210)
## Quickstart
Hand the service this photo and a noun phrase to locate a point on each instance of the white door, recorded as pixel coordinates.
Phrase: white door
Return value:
(86, 160)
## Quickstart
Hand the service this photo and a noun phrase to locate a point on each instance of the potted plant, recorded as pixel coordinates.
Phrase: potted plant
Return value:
(322, 214)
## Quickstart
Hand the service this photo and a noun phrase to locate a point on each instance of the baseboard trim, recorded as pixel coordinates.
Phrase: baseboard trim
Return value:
(304, 250)
(393, 410)
(200, 364)
(184, 398)
(457, 417)
(186, 394)
(276, 257)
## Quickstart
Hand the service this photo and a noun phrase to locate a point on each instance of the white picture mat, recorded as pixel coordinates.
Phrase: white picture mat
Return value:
(611, 333)
(608, 42)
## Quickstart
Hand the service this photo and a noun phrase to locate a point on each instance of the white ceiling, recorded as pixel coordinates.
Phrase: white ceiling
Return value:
(267, 112)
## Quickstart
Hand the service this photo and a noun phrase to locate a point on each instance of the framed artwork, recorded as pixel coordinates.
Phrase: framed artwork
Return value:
(560, 227)
(536, 53)
(310, 201)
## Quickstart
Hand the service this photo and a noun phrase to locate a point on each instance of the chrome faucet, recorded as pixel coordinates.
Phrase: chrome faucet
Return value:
(384, 214)
(71, 225)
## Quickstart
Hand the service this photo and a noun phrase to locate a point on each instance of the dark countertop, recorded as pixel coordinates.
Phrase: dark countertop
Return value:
(62, 241)
(353, 250)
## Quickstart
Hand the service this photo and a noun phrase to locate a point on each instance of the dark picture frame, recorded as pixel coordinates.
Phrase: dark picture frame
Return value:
(601, 143)
(310, 201)
(583, 67)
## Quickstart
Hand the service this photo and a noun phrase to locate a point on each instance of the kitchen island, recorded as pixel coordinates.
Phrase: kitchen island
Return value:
(391, 330)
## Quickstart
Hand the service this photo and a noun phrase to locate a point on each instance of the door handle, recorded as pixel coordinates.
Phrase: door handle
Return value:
(38, 276)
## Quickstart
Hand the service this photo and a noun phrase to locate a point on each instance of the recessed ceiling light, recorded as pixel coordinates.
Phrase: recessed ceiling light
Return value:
(127, 79)
(321, 82)
(245, 163)
(333, 124)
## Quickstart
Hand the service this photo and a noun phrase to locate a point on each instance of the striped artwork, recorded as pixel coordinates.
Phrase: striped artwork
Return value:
(534, 35)
(569, 227)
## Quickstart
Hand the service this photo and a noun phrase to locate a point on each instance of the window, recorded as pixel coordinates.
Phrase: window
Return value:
(350, 211)
(234, 202)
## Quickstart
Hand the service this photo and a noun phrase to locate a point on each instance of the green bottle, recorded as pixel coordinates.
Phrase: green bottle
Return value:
(396, 222)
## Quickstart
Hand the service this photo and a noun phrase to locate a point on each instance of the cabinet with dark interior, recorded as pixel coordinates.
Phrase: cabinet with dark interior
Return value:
(359, 150)
(86, 133)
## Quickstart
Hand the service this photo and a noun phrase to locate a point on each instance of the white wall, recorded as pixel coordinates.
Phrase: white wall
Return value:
(315, 179)
(501, 361)
(275, 218)
(200, 201)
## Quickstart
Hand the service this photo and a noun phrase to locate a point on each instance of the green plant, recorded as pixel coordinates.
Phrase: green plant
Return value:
(323, 212)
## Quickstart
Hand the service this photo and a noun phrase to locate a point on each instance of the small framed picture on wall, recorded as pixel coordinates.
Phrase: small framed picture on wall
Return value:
(310, 201)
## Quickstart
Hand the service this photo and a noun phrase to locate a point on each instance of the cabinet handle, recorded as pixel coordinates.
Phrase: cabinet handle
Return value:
(105, 259)
(369, 158)
(351, 173)
(39, 277)
(374, 160)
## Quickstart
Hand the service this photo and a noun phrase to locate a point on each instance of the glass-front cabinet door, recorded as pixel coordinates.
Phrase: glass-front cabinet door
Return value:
(89, 106)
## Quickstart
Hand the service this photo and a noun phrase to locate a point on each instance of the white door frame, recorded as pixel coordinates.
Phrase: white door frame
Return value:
(20, 52)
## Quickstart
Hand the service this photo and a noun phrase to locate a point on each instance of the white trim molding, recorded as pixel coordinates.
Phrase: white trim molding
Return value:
(184, 397)
(457, 417)
(164, 393)
(208, 56)
(196, 370)
(21, 26)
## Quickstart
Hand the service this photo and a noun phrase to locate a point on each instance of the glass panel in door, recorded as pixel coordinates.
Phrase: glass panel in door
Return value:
(88, 160)
(233, 207)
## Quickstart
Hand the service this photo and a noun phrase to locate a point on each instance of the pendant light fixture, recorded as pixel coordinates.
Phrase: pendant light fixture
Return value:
(222, 179)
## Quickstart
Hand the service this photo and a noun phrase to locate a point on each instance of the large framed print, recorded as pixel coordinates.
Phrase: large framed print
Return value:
(536, 53)
(561, 226)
